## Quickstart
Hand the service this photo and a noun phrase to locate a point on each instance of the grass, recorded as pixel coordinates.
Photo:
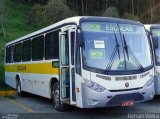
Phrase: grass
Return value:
(10, 97)
(16, 19)
(6, 88)
(15, 24)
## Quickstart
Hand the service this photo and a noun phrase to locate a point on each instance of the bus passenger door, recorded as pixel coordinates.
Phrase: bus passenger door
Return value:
(66, 61)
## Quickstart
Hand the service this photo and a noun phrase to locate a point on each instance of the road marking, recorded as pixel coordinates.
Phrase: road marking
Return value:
(20, 105)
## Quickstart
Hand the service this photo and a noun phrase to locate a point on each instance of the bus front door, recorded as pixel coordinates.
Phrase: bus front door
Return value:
(66, 61)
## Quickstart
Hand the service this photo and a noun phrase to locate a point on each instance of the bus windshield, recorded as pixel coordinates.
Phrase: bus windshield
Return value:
(113, 46)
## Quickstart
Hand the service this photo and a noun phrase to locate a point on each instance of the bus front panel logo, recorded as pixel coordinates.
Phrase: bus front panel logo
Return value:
(126, 84)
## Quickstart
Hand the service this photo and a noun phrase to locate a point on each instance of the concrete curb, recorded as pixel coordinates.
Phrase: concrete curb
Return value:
(7, 93)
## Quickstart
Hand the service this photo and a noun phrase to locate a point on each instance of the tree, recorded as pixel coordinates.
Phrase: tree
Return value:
(35, 1)
(111, 12)
(2, 10)
(36, 16)
(130, 16)
(56, 10)
(132, 7)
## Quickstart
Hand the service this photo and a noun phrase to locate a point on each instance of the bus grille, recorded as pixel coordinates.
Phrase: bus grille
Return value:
(118, 99)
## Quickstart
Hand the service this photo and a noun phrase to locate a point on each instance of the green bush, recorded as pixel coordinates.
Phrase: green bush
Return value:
(1, 76)
(3, 86)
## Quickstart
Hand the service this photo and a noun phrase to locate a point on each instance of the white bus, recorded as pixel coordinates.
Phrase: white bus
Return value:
(154, 33)
(84, 61)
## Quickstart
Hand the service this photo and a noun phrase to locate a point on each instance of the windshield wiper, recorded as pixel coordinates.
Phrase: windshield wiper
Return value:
(126, 47)
(115, 51)
(131, 54)
(117, 45)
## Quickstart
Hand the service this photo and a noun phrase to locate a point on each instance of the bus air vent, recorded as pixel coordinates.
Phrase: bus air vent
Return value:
(104, 77)
(144, 75)
(126, 78)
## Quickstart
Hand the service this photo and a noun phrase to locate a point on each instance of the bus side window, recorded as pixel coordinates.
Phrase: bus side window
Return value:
(52, 45)
(7, 55)
(11, 54)
(38, 48)
(26, 51)
(64, 49)
(17, 52)
(78, 61)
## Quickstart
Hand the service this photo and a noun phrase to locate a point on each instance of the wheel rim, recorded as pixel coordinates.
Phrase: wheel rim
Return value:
(56, 98)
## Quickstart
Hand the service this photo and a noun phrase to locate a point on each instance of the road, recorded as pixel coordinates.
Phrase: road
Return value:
(30, 106)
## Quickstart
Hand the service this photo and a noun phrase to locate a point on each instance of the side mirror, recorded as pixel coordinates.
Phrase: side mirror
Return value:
(79, 37)
(55, 64)
(155, 41)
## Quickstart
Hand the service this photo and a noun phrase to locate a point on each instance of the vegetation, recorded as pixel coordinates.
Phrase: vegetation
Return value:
(61, 11)
(15, 25)
(20, 17)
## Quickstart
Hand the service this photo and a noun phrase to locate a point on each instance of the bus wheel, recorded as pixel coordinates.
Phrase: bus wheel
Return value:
(58, 105)
(19, 91)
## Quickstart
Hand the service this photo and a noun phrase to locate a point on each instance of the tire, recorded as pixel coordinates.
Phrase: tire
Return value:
(19, 91)
(59, 106)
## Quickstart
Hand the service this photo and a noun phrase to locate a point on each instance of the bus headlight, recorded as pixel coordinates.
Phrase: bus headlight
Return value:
(150, 82)
(94, 86)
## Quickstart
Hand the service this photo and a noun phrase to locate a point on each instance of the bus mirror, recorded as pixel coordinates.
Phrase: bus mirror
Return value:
(79, 37)
(55, 64)
(155, 41)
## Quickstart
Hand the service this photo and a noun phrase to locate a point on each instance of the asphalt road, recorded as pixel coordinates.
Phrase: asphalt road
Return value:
(32, 106)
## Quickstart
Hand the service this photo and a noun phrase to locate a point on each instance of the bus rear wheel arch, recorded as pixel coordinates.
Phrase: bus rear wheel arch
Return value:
(18, 86)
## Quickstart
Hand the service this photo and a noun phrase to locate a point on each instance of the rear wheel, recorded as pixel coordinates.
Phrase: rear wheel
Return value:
(58, 105)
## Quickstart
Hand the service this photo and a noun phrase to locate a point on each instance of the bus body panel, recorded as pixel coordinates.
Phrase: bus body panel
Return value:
(115, 91)
(10, 79)
(31, 77)
(118, 82)
(79, 88)
(157, 79)
(38, 84)
(107, 98)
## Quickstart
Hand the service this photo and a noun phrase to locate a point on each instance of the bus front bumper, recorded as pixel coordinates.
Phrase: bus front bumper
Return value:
(93, 99)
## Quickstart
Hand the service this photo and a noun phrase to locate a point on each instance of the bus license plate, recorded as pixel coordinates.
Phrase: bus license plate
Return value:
(128, 103)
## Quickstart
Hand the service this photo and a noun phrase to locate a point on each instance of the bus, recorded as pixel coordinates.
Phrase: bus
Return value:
(154, 34)
(83, 61)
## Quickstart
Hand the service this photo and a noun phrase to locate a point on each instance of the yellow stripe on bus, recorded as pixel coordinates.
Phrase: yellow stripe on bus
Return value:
(40, 68)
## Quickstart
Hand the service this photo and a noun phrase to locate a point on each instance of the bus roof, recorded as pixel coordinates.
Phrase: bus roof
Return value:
(76, 20)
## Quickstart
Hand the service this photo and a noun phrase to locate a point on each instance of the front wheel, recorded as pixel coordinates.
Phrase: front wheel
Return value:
(58, 105)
